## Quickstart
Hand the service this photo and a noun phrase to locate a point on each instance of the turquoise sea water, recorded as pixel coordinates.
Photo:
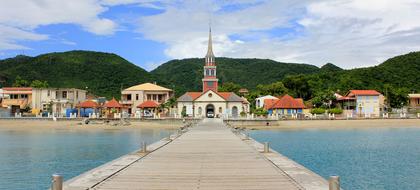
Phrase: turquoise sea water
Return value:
(365, 159)
(28, 159)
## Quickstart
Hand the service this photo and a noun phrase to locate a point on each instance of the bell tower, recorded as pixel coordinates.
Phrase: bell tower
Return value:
(210, 81)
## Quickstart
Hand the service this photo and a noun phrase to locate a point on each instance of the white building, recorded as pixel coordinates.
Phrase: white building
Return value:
(210, 102)
(259, 102)
(57, 100)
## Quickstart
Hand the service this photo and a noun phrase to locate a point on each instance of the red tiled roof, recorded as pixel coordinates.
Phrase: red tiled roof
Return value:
(88, 104)
(112, 104)
(148, 104)
(346, 98)
(285, 102)
(194, 95)
(17, 90)
(363, 92)
(268, 103)
(224, 95)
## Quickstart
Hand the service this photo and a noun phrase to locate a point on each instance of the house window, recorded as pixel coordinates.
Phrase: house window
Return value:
(137, 96)
(154, 96)
(160, 97)
(128, 97)
(64, 94)
(77, 94)
(48, 93)
(418, 101)
(149, 97)
(220, 109)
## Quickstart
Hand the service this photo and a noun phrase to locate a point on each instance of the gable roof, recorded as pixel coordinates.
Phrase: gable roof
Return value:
(191, 96)
(88, 104)
(148, 104)
(285, 102)
(363, 93)
(147, 87)
(112, 104)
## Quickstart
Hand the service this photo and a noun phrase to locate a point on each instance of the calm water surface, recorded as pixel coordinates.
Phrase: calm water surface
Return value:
(27, 159)
(366, 159)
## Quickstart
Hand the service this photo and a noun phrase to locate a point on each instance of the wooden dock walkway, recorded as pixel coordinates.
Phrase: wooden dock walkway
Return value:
(209, 156)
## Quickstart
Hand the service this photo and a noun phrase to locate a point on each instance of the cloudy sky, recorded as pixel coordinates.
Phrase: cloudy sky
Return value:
(348, 33)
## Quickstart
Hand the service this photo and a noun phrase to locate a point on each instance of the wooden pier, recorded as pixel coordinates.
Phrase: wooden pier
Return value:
(208, 156)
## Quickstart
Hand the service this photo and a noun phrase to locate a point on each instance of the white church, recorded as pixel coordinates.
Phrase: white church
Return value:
(210, 102)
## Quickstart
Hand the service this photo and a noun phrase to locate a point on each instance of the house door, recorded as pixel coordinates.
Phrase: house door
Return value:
(235, 111)
(210, 111)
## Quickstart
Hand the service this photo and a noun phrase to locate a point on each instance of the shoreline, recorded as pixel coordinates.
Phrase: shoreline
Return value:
(332, 124)
(48, 125)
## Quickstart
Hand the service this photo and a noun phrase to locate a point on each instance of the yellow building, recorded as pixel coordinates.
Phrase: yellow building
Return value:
(17, 98)
(136, 95)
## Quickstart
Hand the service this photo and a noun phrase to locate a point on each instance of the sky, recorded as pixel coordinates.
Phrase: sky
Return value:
(348, 33)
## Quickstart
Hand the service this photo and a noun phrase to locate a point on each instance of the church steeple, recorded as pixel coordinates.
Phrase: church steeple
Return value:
(210, 59)
(210, 81)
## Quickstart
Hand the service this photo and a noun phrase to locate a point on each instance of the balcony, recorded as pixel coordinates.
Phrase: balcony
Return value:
(15, 102)
(126, 102)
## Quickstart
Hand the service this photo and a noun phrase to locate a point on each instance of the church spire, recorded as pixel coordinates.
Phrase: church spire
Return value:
(210, 56)
(210, 45)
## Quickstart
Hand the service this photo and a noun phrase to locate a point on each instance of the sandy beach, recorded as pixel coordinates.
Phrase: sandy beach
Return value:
(337, 124)
(43, 125)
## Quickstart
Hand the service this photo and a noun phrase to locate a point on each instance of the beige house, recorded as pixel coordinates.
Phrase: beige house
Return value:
(60, 99)
(16, 98)
(136, 95)
(414, 101)
(363, 102)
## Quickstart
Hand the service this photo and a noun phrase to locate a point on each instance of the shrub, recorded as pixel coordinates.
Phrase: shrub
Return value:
(260, 111)
(318, 111)
(243, 114)
(335, 111)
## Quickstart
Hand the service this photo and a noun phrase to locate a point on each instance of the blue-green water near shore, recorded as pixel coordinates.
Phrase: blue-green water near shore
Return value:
(28, 158)
(366, 159)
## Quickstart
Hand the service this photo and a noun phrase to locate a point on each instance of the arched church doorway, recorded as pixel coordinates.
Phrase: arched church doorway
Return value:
(210, 111)
(235, 111)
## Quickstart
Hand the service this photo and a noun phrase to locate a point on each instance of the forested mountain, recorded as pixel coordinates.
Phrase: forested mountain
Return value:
(102, 73)
(186, 74)
(105, 74)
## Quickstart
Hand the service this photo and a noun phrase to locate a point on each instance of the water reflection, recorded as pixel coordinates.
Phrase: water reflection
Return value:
(27, 159)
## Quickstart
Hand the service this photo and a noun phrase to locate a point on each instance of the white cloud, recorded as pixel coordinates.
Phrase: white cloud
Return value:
(24, 16)
(349, 33)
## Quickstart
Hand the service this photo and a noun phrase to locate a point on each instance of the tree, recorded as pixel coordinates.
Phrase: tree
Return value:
(275, 89)
(397, 97)
(229, 87)
(39, 84)
(19, 82)
(323, 99)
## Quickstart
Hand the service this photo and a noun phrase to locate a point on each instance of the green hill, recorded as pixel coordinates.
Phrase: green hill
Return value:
(105, 74)
(102, 73)
(186, 74)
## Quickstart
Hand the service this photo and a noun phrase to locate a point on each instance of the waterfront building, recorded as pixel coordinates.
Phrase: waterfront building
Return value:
(112, 107)
(363, 102)
(17, 98)
(414, 101)
(259, 102)
(56, 100)
(285, 105)
(132, 97)
(210, 102)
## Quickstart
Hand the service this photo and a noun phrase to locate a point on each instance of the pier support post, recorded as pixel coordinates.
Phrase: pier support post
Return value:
(266, 147)
(334, 183)
(143, 147)
(57, 182)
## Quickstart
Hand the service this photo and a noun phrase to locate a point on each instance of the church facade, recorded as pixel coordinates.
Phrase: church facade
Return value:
(209, 102)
